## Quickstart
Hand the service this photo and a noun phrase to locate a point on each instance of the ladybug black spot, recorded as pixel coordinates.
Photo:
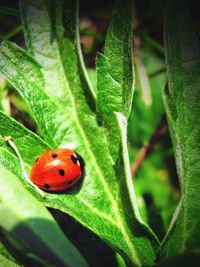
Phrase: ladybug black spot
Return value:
(47, 186)
(70, 182)
(61, 172)
(54, 155)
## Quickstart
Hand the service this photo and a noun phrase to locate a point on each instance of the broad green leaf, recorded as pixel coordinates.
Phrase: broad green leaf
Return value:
(115, 74)
(183, 109)
(28, 79)
(51, 34)
(32, 225)
(76, 203)
(101, 202)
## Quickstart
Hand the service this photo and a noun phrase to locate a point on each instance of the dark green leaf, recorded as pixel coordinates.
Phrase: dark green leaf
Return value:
(9, 11)
(183, 108)
(32, 225)
(5, 255)
(115, 74)
(13, 32)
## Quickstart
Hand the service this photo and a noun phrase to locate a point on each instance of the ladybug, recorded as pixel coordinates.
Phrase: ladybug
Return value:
(57, 169)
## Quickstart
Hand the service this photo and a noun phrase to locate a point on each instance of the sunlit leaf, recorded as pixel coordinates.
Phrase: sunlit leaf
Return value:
(115, 74)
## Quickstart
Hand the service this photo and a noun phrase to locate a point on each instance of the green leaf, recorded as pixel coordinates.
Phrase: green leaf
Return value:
(5, 256)
(22, 137)
(101, 202)
(5, 262)
(183, 109)
(51, 34)
(31, 86)
(17, 29)
(76, 203)
(32, 225)
(115, 74)
(9, 11)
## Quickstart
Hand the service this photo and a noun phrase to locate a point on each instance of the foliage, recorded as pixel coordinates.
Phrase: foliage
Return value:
(68, 105)
(181, 98)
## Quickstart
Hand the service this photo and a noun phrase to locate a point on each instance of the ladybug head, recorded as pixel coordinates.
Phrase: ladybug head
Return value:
(82, 163)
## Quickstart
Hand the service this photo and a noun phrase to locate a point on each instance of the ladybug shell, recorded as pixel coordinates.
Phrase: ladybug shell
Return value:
(57, 169)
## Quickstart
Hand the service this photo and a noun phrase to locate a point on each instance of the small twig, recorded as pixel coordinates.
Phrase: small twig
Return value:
(146, 149)
(12, 144)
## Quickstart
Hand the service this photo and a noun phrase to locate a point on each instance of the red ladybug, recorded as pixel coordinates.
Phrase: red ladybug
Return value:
(57, 169)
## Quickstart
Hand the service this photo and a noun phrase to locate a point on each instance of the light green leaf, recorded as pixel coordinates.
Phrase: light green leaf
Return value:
(101, 202)
(32, 225)
(115, 74)
(51, 34)
(183, 109)
(25, 75)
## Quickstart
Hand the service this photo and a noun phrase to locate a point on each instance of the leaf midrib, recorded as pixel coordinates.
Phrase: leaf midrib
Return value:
(102, 180)
(100, 174)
